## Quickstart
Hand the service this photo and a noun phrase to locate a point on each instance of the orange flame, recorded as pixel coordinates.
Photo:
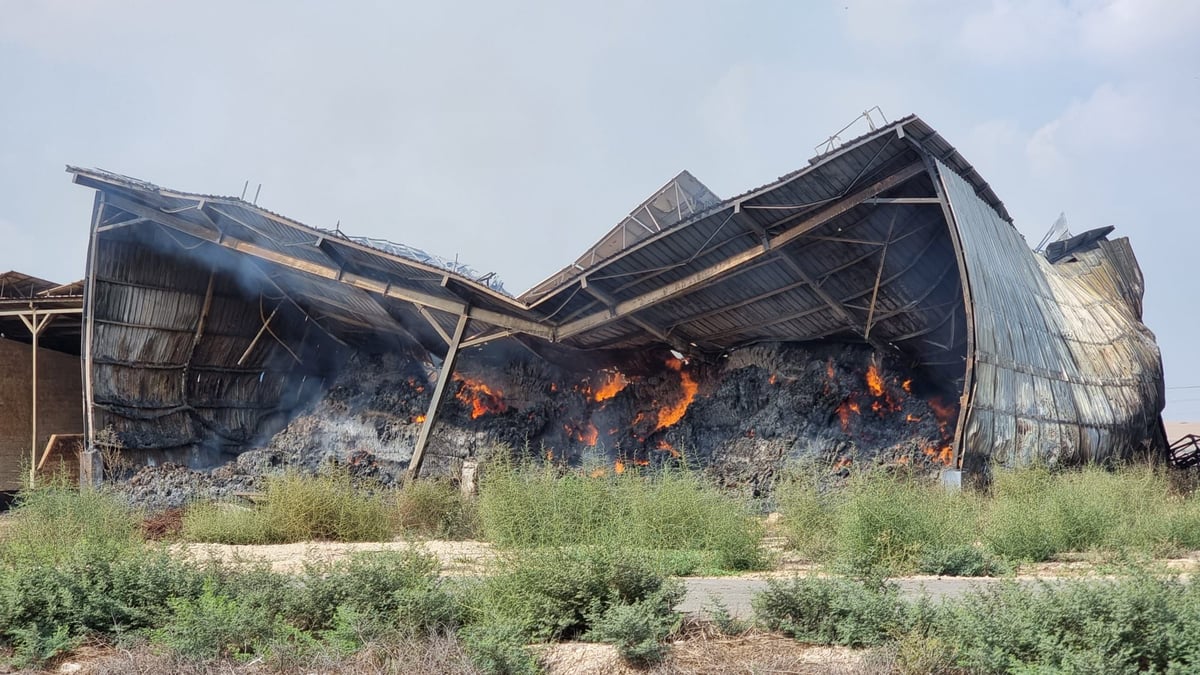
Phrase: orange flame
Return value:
(664, 446)
(906, 386)
(613, 384)
(911, 418)
(842, 463)
(874, 381)
(619, 467)
(583, 433)
(844, 410)
(943, 455)
(671, 415)
(771, 380)
(478, 396)
(943, 412)
(419, 419)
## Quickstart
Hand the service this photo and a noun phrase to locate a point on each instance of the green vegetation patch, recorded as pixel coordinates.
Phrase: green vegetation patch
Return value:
(898, 523)
(523, 505)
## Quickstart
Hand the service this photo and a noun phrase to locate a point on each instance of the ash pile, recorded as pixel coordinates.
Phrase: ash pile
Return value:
(741, 418)
(366, 422)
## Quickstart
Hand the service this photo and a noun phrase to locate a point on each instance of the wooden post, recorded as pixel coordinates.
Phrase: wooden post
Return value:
(35, 327)
(414, 466)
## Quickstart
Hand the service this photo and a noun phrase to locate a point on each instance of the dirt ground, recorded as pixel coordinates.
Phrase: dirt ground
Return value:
(456, 557)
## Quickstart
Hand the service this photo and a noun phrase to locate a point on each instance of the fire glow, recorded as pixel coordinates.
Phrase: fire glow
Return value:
(670, 415)
(874, 381)
(479, 397)
(585, 433)
(613, 384)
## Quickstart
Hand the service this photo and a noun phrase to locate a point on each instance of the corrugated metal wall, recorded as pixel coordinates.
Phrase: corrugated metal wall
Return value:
(176, 396)
(1065, 370)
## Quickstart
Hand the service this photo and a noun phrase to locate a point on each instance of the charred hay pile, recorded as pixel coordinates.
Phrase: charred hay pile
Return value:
(741, 418)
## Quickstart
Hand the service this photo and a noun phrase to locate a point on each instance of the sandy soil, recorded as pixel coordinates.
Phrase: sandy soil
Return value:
(456, 557)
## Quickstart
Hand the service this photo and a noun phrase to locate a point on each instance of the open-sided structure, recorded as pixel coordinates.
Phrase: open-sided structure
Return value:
(40, 383)
(209, 320)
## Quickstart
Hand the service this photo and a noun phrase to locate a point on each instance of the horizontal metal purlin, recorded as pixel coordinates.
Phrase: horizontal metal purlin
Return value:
(709, 274)
(328, 271)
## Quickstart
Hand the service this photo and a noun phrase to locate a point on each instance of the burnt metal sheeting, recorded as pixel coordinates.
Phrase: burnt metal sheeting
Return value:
(892, 239)
(1064, 369)
(682, 197)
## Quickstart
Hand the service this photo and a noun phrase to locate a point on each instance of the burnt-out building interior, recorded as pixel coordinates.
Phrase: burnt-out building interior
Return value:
(876, 306)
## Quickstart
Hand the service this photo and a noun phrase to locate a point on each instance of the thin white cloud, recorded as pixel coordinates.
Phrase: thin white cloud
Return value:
(1114, 123)
(1018, 31)
(1124, 29)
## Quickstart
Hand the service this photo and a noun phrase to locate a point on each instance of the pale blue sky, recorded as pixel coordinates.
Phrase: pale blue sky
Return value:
(513, 134)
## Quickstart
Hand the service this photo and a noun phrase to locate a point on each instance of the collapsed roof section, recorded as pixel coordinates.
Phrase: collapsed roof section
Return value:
(892, 239)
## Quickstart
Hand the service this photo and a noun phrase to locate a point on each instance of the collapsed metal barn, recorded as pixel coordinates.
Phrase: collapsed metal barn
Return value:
(208, 321)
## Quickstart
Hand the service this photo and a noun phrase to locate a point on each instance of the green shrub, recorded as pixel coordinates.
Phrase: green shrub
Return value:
(523, 505)
(297, 508)
(638, 630)
(213, 625)
(1034, 514)
(352, 629)
(961, 560)
(831, 611)
(678, 510)
(35, 645)
(436, 509)
(324, 507)
(726, 622)
(1136, 623)
(401, 588)
(499, 649)
(554, 593)
(222, 523)
(91, 589)
(809, 513)
(886, 522)
(47, 521)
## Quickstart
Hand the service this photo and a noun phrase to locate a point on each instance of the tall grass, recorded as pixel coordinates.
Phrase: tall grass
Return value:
(522, 505)
(436, 509)
(897, 522)
(1035, 514)
(296, 507)
(876, 521)
(58, 517)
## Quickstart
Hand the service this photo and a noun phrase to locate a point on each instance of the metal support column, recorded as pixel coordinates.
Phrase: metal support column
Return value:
(414, 466)
(35, 326)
